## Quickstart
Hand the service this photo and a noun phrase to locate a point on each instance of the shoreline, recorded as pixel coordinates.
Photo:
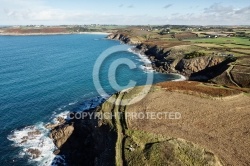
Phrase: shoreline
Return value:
(95, 33)
(48, 34)
(182, 77)
(144, 57)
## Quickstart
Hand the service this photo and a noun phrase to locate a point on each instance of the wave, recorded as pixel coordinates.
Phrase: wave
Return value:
(147, 64)
(142, 57)
(73, 103)
(182, 78)
(35, 142)
(91, 103)
(147, 67)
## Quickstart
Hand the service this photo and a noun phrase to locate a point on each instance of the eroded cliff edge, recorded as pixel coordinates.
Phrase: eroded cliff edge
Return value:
(225, 70)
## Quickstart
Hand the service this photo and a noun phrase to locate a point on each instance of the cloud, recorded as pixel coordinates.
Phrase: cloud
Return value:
(121, 5)
(216, 14)
(217, 8)
(130, 6)
(245, 10)
(168, 6)
(37, 12)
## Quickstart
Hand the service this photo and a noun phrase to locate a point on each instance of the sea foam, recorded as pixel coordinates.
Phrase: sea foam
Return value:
(36, 137)
(39, 141)
(147, 67)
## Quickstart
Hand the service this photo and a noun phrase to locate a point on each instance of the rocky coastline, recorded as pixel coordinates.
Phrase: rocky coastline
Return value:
(209, 68)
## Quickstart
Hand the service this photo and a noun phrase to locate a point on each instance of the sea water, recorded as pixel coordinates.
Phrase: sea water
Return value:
(43, 77)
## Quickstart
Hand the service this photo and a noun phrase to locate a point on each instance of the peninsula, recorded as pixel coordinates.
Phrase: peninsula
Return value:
(213, 128)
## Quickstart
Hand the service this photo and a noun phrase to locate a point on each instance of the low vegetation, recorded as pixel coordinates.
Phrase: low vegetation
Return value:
(143, 148)
(200, 89)
(194, 54)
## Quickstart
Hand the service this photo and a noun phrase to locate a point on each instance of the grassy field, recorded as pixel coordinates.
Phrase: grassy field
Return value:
(235, 46)
(241, 51)
(238, 46)
(232, 40)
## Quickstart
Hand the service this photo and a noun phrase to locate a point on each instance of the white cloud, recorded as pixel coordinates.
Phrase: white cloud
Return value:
(217, 8)
(37, 12)
(245, 10)
(216, 14)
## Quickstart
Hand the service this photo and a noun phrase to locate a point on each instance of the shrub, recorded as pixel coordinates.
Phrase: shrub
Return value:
(194, 54)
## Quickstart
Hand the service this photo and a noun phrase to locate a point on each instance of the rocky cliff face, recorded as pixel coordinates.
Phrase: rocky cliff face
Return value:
(85, 141)
(189, 66)
(124, 38)
(61, 134)
(173, 60)
(217, 69)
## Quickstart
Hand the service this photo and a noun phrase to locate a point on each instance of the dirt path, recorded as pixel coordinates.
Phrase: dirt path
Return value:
(230, 75)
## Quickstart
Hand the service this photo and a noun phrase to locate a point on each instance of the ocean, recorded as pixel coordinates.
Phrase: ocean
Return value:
(43, 77)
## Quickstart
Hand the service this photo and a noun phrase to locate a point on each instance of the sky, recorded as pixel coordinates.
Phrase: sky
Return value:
(121, 12)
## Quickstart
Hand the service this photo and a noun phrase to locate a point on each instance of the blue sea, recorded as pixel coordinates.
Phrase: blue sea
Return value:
(43, 77)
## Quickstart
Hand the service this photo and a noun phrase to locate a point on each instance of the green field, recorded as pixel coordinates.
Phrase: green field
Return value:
(232, 40)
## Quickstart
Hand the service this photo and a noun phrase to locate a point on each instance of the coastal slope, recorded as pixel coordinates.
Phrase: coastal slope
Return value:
(211, 129)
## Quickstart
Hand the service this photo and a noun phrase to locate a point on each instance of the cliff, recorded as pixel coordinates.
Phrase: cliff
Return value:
(209, 68)
(181, 137)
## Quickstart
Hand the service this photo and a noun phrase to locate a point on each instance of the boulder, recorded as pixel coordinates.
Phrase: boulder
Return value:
(35, 153)
(61, 134)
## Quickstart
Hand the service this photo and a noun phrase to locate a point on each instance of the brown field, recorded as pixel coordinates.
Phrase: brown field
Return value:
(219, 126)
(185, 36)
(199, 89)
(38, 30)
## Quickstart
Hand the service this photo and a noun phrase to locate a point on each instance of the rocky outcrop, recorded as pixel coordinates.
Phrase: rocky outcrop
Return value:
(35, 153)
(173, 60)
(34, 133)
(189, 66)
(124, 38)
(85, 141)
(120, 37)
(61, 134)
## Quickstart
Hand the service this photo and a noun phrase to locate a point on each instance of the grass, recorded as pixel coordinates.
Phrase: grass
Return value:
(221, 40)
(208, 45)
(155, 149)
(194, 54)
(235, 46)
(138, 147)
(241, 51)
